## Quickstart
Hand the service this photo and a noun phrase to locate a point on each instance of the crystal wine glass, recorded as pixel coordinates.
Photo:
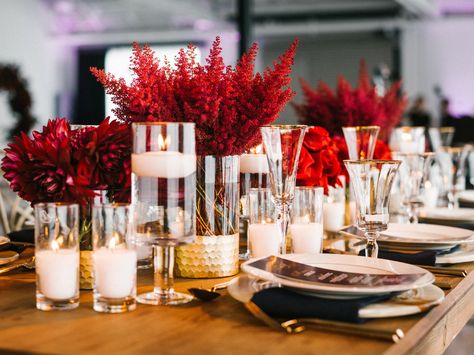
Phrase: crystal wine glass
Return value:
(372, 181)
(412, 172)
(361, 141)
(163, 199)
(282, 144)
(408, 139)
(441, 137)
(452, 161)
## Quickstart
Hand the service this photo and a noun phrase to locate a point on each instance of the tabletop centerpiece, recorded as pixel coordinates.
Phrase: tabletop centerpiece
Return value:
(228, 105)
(62, 164)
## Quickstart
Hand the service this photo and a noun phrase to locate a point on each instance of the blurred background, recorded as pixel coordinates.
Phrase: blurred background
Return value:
(426, 43)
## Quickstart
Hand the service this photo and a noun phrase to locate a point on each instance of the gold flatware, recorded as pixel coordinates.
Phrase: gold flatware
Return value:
(29, 264)
(208, 294)
(444, 285)
(295, 326)
(258, 313)
(393, 335)
(445, 271)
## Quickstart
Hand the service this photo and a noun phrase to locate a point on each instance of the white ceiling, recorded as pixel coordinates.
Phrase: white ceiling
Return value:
(89, 16)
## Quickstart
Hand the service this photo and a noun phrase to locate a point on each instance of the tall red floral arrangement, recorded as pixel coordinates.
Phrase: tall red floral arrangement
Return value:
(348, 106)
(228, 105)
(319, 160)
(61, 164)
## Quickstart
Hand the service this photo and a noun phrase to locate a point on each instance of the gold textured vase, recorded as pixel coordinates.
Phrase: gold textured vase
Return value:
(209, 257)
(86, 281)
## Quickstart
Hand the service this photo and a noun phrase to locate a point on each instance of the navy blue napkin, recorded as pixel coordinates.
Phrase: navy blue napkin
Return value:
(426, 257)
(284, 303)
(24, 236)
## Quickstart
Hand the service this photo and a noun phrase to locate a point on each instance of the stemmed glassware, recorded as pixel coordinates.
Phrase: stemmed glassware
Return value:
(282, 144)
(413, 170)
(361, 141)
(164, 199)
(441, 137)
(372, 181)
(452, 161)
(408, 140)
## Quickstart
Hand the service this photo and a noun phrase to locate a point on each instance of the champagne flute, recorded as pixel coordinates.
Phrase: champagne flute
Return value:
(282, 144)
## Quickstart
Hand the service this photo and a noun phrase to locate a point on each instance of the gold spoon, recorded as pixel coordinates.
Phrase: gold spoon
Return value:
(29, 264)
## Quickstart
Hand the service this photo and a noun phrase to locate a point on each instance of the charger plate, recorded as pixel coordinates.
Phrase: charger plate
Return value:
(344, 263)
(242, 288)
(418, 236)
(466, 196)
(444, 214)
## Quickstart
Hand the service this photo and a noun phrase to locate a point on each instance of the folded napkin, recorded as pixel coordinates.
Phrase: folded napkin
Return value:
(284, 303)
(426, 257)
(24, 236)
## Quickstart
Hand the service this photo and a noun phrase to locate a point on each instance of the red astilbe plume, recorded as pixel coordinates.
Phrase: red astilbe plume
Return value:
(41, 170)
(227, 104)
(360, 106)
(319, 162)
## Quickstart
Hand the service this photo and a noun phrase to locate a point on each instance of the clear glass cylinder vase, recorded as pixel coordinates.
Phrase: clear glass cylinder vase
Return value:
(215, 252)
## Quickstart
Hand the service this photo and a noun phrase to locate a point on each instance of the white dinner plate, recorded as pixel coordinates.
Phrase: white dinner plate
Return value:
(344, 263)
(242, 288)
(418, 236)
(467, 196)
(457, 215)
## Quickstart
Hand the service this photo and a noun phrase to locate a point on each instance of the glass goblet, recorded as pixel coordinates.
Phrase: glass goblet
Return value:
(452, 161)
(361, 141)
(408, 139)
(372, 181)
(282, 144)
(164, 199)
(413, 171)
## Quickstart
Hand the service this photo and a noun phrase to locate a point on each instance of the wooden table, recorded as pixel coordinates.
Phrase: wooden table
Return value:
(219, 327)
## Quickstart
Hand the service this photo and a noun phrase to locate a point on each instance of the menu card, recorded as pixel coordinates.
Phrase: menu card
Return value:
(307, 273)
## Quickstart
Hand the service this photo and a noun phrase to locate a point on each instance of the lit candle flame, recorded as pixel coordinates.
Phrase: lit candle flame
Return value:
(163, 143)
(257, 150)
(54, 245)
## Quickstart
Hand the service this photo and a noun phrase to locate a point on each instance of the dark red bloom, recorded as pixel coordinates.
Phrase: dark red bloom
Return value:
(360, 106)
(41, 169)
(319, 164)
(63, 165)
(227, 104)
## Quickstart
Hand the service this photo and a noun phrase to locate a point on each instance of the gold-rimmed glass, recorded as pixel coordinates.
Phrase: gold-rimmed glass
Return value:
(372, 181)
(361, 141)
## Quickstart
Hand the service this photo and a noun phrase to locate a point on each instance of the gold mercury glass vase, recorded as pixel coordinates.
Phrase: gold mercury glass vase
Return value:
(215, 252)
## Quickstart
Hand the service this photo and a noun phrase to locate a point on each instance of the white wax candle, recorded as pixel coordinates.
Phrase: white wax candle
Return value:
(163, 164)
(352, 211)
(430, 195)
(57, 272)
(253, 163)
(114, 272)
(333, 216)
(264, 239)
(142, 246)
(306, 237)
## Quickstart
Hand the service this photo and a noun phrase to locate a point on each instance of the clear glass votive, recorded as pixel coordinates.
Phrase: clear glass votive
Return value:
(334, 208)
(306, 228)
(57, 256)
(253, 174)
(264, 234)
(114, 259)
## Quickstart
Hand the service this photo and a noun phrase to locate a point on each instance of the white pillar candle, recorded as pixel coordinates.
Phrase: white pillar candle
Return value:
(430, 195)
(165, 164)
(333, 216)
(264, 239)
(306, 237)
(57, 272)
(114, 272)
(253, 164)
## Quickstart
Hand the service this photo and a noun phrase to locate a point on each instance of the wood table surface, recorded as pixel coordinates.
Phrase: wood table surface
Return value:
(222, 326)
